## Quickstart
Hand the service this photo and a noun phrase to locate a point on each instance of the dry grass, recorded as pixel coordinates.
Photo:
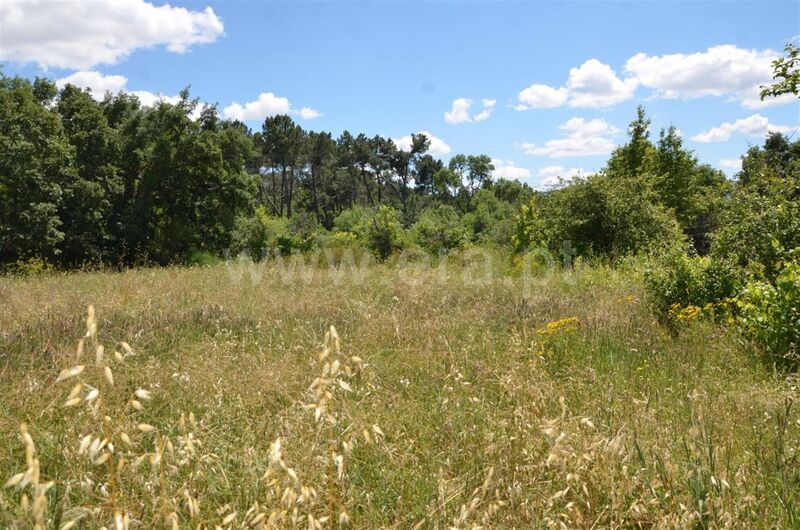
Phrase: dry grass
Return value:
(445, 404)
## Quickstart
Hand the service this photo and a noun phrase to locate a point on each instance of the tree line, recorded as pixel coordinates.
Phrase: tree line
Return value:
(86, 182)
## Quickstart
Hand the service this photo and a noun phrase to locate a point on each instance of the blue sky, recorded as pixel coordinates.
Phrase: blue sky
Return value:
(394, 68)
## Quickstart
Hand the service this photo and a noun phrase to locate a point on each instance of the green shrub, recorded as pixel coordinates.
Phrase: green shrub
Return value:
(302, 237)
(260, 234)
(769, 314)
(385, 234)
(491, 219)
(612, 217)
(677, 279)
(29, 267)
(756, 230)
(440, 229)
(355, 220)
(529, 229)
(337, 245)
(202, 258)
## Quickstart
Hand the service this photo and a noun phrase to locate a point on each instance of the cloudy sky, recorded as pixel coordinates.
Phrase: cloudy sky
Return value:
(545, 89)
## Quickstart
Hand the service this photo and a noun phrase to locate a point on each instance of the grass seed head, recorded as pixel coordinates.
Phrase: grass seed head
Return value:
(67, 373)
(109, 375)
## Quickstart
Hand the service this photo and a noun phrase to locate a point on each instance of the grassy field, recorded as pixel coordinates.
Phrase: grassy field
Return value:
(455, 404)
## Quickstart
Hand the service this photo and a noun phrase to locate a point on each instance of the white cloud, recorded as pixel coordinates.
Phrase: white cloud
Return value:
(557, 171)
(595, 84)
(725, 70)
(98, 83)
(755, 125)
(541, 97)
(460, 111)
(731, 163)
(267, 104)
(554, 177)
(751, 99)
(505, 169)
(438, 146)
(583, 138)
(149, 99)
(307, 113)
(592, 84)
(488, 107)
(80, 34)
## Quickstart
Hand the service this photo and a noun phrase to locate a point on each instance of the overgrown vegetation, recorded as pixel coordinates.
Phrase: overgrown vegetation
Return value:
(87, 183)
(617, 352)
(573, 401)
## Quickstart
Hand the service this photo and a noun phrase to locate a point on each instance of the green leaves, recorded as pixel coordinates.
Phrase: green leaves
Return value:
(770, 315)
(787, 69)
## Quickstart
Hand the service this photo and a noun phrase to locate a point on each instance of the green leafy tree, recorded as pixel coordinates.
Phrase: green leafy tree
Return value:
(629, 159)
(362, 156)
(426, 168)
(607, 216)
(491, 219)
(403, 163)
(787, 71)
(320, 152)
(282, 143)
(762, 216)
(439, 228)
(694, 192)
(512, 191)
(90, 224)
(446, 184)
(479, 174)
(530, 230)
(383, 152)
(37, 164)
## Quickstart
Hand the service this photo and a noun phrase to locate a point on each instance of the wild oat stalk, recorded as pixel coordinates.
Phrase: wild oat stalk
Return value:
(292, 502)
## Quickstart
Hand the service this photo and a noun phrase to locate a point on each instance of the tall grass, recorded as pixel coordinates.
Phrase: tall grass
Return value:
(205, 402)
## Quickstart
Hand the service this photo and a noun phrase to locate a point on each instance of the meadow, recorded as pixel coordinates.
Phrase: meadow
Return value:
(440, 399)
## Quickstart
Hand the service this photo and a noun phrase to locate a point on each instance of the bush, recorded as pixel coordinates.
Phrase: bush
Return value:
(440, 229)
(303, 229)
(29, 267)
(355, 220)
(769, 314)
(529, 229)
(604, 216)
(491, 219)
(385, 234)
(756, 230)
(260, 234)
(202, 258)
(338, 245)
(677, 279)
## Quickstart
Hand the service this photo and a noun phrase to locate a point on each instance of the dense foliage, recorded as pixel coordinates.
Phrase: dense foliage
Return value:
(770, 314)
(86, 182)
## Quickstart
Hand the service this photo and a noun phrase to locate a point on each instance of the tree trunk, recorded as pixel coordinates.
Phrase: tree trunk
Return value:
(366, 185)
(291, 192)
(283, 188)
(314, 192)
